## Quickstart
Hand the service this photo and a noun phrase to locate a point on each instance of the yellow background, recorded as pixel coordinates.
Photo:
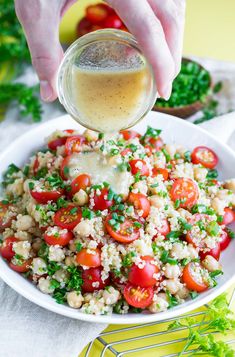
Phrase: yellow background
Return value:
(209, 31)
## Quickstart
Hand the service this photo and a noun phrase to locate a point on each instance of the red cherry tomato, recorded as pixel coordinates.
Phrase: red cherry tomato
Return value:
(143, 277)
(35, 165)
(156, 143)
(137, 296)
(113, 22)
(214, 252)
(44, 196)
(148, 150)
(60, 238)
(92, 260)
(139, 166)
(68, 217)
(6, 250)
(229, 216)
(225, 240)
(191, 279)
(129, 134)
(204, 156)
(101, 200)
(54, 144)
(74, 144)
(80, 183)
(64, 168)
(83, 27)
(140, 202)
(92, 280)
(126, 233)
(126, 152)
(165, 228)
(5, 217)
(159, 171)
(23, 267)
(185, 190)
(96, 13)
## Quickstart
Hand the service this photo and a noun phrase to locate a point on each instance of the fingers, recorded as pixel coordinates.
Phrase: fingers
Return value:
(147, 29)
(41, 25)
(171, 14)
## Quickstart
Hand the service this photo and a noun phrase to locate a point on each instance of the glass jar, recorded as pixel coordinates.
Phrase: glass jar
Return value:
(105, 82)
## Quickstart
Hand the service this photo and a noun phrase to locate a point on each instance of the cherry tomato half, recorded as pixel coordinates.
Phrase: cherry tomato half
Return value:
(6, 250)
(74, 144)
(214, 252)
(139, 166)
(80, 183)
(159, 171)
(225, 240)
(92, 260)
(92, 280)
(60, 238)
(44, 196)
(229, 216)
(68, 217)
(156, 143)
(83, 27)
(143, 277)
(113, 21)
(165, 227)
(97, 13)
(190, 278)
(137, 296)
(140, 202)
(204, 156)
(101, 201)
(126, 233)
(35, 166)
(5, 217)
(129, 134)
(54, 144)
(185, 190)
(64, 168)
(23, 267)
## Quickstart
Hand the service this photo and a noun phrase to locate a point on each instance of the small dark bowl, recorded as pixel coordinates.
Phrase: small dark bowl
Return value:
(185, 111)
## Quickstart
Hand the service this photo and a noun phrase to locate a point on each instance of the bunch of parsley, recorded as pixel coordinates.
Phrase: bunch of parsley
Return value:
(14, 50)
(218, 318)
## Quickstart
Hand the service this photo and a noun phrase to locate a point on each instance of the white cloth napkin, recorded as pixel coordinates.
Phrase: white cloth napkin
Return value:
(27, 330)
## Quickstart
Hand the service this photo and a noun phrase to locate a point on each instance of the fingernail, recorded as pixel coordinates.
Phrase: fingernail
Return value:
(46, 91)
(166, 92)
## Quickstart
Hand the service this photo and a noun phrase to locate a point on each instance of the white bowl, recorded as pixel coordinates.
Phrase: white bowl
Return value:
(174, 130)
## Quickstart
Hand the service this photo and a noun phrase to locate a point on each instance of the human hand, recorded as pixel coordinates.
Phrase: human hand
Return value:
(158, 26)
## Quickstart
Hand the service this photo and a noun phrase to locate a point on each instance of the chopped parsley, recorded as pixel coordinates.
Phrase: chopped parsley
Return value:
(41, 173)
(212, 174)
(167, 155)
(127, 260)
(200, 208)
(55, 181)
(52, 267)
(87, 213)
(75, 280)
(166, 259)
(213, 229)
(173, 235)
(187, 156)
(59, 295)
(172, 301)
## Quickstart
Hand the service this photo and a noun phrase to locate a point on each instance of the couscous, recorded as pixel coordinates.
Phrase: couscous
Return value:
(117, 224)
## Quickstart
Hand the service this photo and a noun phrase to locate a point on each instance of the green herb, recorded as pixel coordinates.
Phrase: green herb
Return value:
(111, 194)
(78, 246)
(187, 156)
(166, 259)
(66, 171)
(212, 174)
(31, 185)
(213, 228)
(231, 234)
(114, 152)
(220, 219)
(137, 224)
(155, 248)
(162, 193)
(87, 213)
(136, 310)
(173, 235)
(124, 166)
(127, 260)
(5, 202)
(101, 136)
(184, 224)
(138, 177)
(177, 203)
(172, 301)
(154, 185)
(166, 154)
(52, 267)
(217, 318)
(54, 284)
(59, 295)
(12, 169)
(177, 156)
(43, 251)
(74, 210)
(118, 307)
(193, 294)
(26, 170)
(55, 181)
(41, 173)
(102, 148)
(150, 133)
(75, 279)
(61, 202)
(200, 208)
(133, 147)
(185, 261)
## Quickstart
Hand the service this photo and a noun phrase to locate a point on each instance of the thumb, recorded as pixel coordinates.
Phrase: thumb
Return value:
(41, 26)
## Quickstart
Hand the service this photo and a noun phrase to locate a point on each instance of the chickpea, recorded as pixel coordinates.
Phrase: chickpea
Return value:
(172, 271)
(158, 305)
(75, 299)
(44, 284)
(80, 198)
(157, 201)
(84, 228)
(230, 185)
(211, 264)
(183, 292)
(39, 266)
(172, 285)
(111, 295)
